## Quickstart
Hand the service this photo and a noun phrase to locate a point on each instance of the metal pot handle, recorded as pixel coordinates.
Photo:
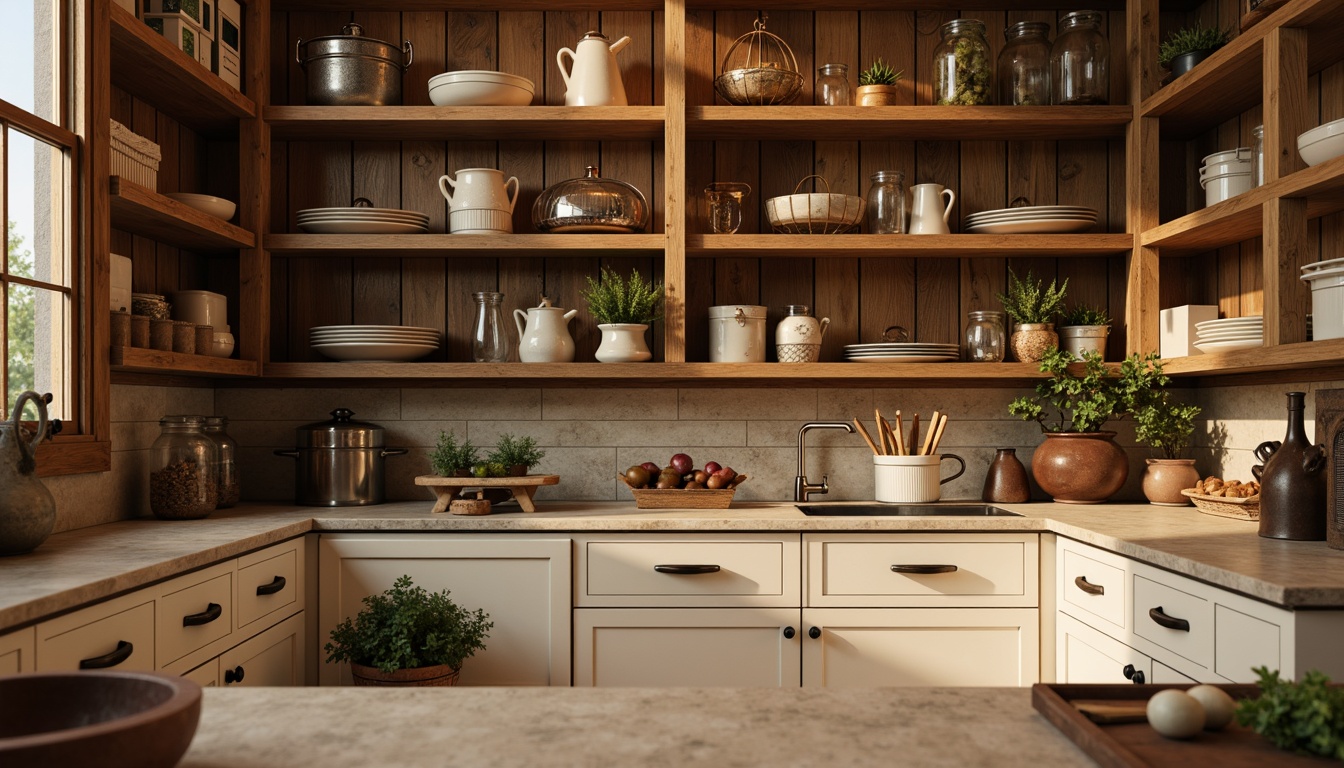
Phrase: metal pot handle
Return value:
(409, 51)
(297, 45)
(395, 451)
(293, 454)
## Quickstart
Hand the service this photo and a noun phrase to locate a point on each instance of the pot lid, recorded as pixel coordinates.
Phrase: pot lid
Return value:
(595, 35)
(737, 310)
(352, 43)
(340, 432)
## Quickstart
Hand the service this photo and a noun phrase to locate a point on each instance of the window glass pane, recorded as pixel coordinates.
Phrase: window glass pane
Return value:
(39, 346)
(38, 210)
(29, 37)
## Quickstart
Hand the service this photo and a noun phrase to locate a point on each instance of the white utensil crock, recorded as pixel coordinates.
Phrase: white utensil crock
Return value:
(737, 334)
(623, 343)
(479, 201)
(928, 216)
(911, 479)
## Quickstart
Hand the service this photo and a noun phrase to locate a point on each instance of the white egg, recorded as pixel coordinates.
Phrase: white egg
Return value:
(1218, 706)
(1175, 714)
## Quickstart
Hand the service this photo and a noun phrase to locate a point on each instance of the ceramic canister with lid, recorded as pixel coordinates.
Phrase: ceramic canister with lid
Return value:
(737, 334)
(798, 336)
(1226, 174)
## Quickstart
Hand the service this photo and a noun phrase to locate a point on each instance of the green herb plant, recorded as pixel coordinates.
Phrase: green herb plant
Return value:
(1188, 40)
(450, 456)
(408, 627)
(1305, 717)
(1160, 421)
(1083, 314)
(880, 73)
(513, 451)
(613, 300)
(1028, 301)
(1067, 402)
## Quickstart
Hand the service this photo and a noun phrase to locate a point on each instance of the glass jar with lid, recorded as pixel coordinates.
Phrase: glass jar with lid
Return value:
(832, 88)
(226, 472)
(886, 203)
(963, 72)
(182, 470)
(985, 337)
(1024, 65)
(1078, 61)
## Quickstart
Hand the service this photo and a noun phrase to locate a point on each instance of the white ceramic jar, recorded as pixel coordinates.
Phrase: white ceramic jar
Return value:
(201, 308)
(737, 334)
(798, 336)
(1226, 174)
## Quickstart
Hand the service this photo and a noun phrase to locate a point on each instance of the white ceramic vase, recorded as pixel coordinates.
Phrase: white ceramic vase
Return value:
(623, 343)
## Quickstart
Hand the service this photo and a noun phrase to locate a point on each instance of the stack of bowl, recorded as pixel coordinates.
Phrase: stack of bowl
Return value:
(480, 88)
(1322, 143)
(1226, 174)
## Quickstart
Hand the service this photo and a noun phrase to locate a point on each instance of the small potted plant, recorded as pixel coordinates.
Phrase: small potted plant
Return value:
(1033, 308)
(1165, 424)
(1188, 46)
(453, 459)
(1082, 329)
(623, 310)
(408, 636)
(877, 85)
(516, 454)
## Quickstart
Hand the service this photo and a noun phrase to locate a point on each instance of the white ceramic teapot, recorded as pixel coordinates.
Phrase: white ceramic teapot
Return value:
(479, 201)
(545, 337)
(593, 78)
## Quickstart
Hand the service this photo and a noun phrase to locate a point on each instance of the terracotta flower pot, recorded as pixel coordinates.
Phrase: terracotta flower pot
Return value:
(438, 675)
(1030, 341)
(1164, 479)
(1080, 467)
(876, 95)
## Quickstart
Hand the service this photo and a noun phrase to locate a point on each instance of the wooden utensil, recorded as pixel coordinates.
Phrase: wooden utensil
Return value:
(900, 436)
(914, 433)
(890, 436)
(938, 434)
(928, 437)
(866, 437)
(887, 449)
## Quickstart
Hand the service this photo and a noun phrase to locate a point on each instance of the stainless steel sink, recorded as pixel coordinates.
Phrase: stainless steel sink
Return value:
(905, 510)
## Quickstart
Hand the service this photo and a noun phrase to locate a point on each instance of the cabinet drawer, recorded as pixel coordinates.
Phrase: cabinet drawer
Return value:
(16, 651)
(270, 582)
(118, 634)
(1093, 587)
(192, 612)
(1157, 604)
(1243, 642)
(931, 570)
(700, 571)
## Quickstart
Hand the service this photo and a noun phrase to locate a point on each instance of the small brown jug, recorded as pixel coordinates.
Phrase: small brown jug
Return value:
(1292, 481)
(1006, 481)
(27, 508)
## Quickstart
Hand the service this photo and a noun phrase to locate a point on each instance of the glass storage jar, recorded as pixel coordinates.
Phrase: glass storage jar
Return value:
(182, 470)
(226, 472)
(1258, 156)
(985, 337)
(1024, 65)
(1078, 61)
(488, 342)
(962, 70)
(886, 203)
(832, 88)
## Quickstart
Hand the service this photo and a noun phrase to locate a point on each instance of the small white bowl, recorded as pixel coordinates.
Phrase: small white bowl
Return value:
(215, 206)
(480, 88)
(1322, 142)
(223, 344)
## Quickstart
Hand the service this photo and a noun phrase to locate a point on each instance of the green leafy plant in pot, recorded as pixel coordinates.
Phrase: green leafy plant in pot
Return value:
(453, 459)
(1084, 328)
(408, 636)
(623, 310)
(877, 85)
(516, 454)
(1033, 308)
(1166, 425)
(1188, 46)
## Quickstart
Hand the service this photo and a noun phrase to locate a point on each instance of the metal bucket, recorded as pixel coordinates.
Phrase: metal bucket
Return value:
(353, 70)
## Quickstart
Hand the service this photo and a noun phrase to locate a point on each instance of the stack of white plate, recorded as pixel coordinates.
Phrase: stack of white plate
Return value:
(373, 343)
(902, 352)
(1034, 219)
(362, 221)
(1230, 333)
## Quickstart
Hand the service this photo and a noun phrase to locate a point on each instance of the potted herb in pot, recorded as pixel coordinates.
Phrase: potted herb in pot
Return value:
(408, 636)
(1084, 329)
(516, 454)
(1033, 308)
(1165, 424)
(1186, 47)
(877, 85)
(453, 459)
(623, 310)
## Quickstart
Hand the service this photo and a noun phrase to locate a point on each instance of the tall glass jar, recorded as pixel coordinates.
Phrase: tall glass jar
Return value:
(1024, 65)
(963, 72)
(986, 340)
(182, 470)
(227, 469)
(1078, 61)
(832, 88)
(488, 344)
(1258, 156)
(886, 203)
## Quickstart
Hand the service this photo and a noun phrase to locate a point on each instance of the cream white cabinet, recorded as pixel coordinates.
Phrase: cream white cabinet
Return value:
(16, 651)
(1085, 655)
(116, 633)
(274, 657)
(522, 582)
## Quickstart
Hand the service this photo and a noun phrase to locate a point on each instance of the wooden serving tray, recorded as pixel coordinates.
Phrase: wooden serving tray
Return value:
(1135, 744)
(445, 488)
(668, 498)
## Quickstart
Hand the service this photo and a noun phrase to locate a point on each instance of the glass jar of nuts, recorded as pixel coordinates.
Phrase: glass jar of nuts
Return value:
(183, 466)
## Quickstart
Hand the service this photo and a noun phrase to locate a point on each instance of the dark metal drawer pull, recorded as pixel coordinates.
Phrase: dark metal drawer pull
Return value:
(686, 569)
(275, 586)
(1170, 622)
(919, 568)
(234, 675)
(1092, 589)
(122, 653)
(212, 612)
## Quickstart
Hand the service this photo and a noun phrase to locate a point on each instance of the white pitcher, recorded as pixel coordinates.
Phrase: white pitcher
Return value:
(545, 338)
(593, 78)
(479, 201)
(926, 218)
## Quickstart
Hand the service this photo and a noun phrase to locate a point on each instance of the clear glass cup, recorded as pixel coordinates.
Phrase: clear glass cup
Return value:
(1078, 61)
(1258, 156)
(986, 339)
(832, 87)
(963, 71)
(1024, 65)
(227, 468)
(723, 201)
(886, 203)
(183, 463)
(488, 342)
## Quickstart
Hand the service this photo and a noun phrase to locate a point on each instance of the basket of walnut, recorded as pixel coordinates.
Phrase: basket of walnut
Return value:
(1226, 498)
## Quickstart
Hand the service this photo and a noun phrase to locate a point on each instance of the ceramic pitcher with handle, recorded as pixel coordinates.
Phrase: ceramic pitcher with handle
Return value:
(543, 334)
(593, 78)
(27, 508)
(928, 216)
(479, 201)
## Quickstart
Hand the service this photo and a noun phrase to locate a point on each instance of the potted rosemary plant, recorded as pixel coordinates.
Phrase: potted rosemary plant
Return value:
(877, 85)
(516, 454)
(623, 310)
(1033, 308)
(1186, 47)
(1082, 329)
(453, 459)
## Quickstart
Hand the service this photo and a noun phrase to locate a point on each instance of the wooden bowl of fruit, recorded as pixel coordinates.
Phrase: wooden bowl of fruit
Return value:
(678, 485)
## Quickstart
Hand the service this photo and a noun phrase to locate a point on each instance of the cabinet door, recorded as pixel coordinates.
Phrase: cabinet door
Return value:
(16, 651)
(1164, 675)
(274, 657)
(1084, 655)
(523, 583)
(206, 675)
(871, 647)
(700, 647)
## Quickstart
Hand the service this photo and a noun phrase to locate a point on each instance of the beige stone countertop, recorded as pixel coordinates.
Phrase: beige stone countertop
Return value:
(676, 727)
(79, 567)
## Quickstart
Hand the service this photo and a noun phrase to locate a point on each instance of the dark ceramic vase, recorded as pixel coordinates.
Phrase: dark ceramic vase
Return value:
(1292, 481)
(1006, 481)
(1080, 467)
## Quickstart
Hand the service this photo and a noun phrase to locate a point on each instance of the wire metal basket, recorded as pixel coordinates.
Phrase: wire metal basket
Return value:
(815, 213)
(759, 69)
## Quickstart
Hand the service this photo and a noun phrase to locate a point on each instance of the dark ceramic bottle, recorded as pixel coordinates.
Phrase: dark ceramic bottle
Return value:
(1292, 482)
(1006, 481)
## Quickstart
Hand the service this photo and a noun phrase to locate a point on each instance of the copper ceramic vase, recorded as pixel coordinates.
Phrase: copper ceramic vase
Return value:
(1080, 467)
(1292, 481)
(1164, 480)
(1006, 481)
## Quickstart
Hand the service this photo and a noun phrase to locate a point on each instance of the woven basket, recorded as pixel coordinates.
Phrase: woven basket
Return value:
(134, 157)
(666, 498)
(1236, 508)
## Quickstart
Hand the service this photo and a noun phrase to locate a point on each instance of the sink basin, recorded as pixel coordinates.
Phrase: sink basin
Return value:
(103, 718)
(905, 510)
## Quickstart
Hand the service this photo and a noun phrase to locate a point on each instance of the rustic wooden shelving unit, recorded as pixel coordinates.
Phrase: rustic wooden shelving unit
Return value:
(152, 215)
(136, 360)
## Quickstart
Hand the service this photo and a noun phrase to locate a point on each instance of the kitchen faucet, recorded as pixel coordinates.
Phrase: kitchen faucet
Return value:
(801, 488)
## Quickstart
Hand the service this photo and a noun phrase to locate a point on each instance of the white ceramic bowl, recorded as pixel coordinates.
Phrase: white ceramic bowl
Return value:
(480, 88)
(215, 206)
(223, 344)
(1322, 143)
(201, 307)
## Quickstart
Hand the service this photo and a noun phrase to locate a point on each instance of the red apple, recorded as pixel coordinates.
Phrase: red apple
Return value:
(654, 469)
(713, 467)
(682, 463)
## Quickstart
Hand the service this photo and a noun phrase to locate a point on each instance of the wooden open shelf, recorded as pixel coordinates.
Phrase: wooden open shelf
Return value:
(1279, 357)
(908, 123)
(463, 245)
(137, 360)
(150, 68)
(931, 246)
(475, 123)
(657, 5)
(140, 211)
